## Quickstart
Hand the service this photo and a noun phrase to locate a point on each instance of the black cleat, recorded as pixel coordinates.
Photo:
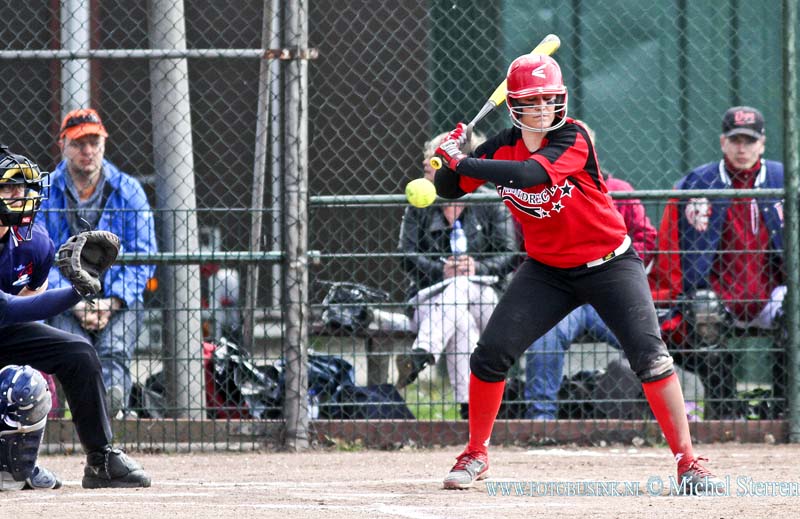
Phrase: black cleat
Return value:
(112, 468)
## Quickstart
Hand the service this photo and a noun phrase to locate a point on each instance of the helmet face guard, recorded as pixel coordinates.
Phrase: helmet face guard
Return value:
(23, 187)
(536, 75)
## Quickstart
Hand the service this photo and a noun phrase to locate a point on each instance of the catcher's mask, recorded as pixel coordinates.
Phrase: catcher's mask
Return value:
(706, 319)
(22, 188)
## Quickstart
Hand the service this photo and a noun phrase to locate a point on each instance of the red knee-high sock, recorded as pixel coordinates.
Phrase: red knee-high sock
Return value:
(666, 400)
(484, 403)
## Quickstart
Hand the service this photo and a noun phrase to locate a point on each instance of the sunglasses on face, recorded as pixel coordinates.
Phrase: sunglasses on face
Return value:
(77, 120)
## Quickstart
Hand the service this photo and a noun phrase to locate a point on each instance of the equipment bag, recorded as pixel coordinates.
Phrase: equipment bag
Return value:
(618, 393)
(576, 394)
(238, 388)
(513, 406)
(326, 373)
(234, 386)
(381, 401)
(346, 305)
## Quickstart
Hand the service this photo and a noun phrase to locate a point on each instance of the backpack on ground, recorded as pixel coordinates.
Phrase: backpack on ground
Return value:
(375, 402)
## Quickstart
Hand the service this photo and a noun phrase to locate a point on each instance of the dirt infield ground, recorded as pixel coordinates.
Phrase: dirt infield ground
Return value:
(406, 484)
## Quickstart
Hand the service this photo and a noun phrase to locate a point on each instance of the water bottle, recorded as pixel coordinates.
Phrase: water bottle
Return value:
(313, 404)
(458, 239)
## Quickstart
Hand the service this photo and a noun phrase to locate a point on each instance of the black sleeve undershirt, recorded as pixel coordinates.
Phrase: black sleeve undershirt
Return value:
(508, 173)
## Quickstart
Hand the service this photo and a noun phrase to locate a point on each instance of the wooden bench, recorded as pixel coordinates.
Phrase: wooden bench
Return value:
(380, 340)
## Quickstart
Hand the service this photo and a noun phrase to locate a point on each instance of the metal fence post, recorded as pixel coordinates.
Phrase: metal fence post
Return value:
(259, 167)
(792, 225)
(174, 164)
(295, 282)
(75, 76)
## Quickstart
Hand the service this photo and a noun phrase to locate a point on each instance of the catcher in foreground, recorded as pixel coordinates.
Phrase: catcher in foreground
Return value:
(27, 347)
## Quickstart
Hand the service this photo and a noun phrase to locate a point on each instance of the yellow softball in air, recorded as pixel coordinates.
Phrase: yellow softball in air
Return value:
(420, 192)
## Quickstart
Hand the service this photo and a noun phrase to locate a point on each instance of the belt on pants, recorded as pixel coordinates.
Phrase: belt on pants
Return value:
(613, 254)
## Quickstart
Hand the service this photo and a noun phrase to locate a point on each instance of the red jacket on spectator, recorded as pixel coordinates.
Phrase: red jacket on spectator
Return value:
(640, 229)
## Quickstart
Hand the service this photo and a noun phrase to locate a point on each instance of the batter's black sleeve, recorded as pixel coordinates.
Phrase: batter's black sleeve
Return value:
(447, 183)
(508, 173)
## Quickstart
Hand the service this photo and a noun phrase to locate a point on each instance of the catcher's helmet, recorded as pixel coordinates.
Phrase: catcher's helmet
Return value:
(536, 75)
(24, 396)
(22, 189)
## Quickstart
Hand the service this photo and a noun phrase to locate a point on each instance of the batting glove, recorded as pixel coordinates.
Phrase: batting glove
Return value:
(450, 148)
(450, 152)
(458, 134)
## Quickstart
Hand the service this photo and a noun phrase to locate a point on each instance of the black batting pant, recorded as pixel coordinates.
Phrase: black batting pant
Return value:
(73, 361)
(539, 296)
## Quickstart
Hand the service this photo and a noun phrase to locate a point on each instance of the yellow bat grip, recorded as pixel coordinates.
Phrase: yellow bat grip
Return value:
(499, 95)
(436, 163)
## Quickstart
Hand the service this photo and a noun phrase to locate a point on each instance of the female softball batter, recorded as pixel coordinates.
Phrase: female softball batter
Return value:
(546, 171)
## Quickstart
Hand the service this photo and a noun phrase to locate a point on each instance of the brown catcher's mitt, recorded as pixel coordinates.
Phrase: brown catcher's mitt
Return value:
(83, 259)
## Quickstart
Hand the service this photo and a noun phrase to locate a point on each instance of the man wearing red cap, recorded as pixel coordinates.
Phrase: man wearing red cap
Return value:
(88, 191)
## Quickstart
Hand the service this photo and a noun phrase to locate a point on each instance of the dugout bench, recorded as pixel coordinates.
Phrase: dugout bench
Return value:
(386, 334)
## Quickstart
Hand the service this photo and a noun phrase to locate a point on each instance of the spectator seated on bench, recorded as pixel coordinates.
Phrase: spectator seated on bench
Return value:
(452, 280)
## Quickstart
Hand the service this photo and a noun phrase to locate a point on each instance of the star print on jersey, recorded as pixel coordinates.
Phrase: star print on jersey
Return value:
(542, 204)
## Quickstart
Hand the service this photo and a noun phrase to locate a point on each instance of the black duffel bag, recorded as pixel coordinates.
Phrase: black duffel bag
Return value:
(376, 402)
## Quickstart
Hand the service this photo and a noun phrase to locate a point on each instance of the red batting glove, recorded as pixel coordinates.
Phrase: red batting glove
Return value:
(458, 134)
(450, 152)
(449, 149)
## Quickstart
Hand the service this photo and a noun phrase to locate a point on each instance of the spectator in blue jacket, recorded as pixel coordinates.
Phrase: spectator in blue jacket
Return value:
(87, 191)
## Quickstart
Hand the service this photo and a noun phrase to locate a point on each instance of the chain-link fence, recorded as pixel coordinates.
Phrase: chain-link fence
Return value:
(272, 139)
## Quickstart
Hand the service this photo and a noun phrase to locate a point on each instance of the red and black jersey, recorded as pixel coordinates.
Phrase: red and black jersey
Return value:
(570, 220)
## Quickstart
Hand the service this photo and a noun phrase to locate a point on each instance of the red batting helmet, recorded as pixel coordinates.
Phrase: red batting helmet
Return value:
(536, 75)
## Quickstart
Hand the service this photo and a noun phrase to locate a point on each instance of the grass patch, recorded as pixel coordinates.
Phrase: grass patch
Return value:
(432, 400)
(343, 445)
